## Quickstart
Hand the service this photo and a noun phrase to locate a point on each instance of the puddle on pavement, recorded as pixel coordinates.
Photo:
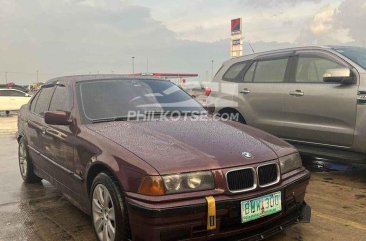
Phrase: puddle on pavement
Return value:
(350, 174)
(325, 165)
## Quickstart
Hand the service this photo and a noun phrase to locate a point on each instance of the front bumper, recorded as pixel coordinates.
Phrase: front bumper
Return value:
(189, 222)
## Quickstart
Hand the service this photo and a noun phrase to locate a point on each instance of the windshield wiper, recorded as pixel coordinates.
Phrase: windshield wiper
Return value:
(112, 119)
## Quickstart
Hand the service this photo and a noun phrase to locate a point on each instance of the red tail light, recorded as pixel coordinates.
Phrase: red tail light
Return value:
(207, 91)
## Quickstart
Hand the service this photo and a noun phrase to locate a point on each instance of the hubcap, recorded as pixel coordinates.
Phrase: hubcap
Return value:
(103, 214)
(23, 160)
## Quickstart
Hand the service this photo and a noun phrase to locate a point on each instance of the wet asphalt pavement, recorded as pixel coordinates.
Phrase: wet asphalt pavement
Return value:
(337, 195)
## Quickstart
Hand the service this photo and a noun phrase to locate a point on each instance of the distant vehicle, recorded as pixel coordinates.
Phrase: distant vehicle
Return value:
(14, 86)
(172, 179)
(12, 99)
(313, 97)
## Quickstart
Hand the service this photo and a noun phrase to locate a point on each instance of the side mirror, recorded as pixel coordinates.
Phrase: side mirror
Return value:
(57, 118)
(341, 76)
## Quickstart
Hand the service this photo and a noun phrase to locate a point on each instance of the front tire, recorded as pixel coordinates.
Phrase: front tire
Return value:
(232, 115)
(109, 213)
(26, 164)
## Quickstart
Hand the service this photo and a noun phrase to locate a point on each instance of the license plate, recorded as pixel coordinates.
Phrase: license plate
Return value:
(260, 207)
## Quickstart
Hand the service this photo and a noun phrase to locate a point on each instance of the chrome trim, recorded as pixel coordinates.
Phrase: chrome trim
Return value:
(314, 143)
(255, 180)
(278, 173)
(57, 165)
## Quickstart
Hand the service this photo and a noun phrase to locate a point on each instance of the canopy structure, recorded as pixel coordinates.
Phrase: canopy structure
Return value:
(167, 75)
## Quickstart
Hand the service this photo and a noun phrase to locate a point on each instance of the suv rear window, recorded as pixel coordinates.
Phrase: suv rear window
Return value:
(270, 71)
(235, 72)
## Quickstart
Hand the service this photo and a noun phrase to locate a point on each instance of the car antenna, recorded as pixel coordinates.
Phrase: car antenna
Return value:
(251, 47)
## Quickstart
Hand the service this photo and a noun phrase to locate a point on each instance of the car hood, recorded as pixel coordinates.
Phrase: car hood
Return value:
(186, 145)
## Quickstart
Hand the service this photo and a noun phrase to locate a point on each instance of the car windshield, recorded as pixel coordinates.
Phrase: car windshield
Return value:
(119, 99)
(357, 55)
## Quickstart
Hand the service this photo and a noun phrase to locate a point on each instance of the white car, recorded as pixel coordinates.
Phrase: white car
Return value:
(12, 99)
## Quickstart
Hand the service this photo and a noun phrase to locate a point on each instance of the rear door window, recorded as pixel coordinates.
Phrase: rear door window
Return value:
(234, 73)
(43, 101)
(271, 71)
(60, 99)
(250, 74)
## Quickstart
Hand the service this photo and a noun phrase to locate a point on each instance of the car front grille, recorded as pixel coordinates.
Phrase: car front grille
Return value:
(268, 174)
(246, 179)
(241, 180)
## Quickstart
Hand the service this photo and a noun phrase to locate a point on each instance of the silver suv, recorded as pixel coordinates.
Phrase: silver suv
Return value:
(313, 97)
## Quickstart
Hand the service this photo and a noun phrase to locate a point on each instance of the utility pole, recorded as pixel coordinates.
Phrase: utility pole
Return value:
(133, 64)
(37, 76)
(147, 64)
(212, 69)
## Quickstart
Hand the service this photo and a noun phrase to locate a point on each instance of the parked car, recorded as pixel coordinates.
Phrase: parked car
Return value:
(313, 97)
(12, 99)
(167, 179)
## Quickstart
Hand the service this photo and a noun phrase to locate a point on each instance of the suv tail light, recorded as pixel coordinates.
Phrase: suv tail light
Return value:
(207, 91)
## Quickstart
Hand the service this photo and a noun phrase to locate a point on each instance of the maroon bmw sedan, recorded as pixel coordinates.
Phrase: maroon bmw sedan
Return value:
(147, 162)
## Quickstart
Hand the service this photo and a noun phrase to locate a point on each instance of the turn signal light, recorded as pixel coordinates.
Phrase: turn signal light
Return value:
(152, 186)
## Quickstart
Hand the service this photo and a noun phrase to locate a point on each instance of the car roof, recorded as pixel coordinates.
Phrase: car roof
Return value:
(311, 47)
(76, 78)
(274, 51)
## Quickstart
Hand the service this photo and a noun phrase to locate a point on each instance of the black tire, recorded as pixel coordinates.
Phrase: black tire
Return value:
(122, 226)
(26, 164)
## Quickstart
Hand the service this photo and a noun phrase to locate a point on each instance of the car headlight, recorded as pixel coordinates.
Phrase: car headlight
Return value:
(290, 163)
(188, 182)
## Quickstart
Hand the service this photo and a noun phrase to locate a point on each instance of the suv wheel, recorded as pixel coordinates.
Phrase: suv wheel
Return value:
(109, 213)
(233, 115)
(25, 164)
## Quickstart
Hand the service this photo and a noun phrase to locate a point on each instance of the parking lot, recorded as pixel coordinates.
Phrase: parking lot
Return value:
(40, 212)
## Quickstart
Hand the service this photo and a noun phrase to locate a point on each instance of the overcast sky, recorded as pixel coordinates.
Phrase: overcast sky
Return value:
(62, 37)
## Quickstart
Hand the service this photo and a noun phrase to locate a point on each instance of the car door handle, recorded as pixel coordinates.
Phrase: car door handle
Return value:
(297, 93)
(245, 91)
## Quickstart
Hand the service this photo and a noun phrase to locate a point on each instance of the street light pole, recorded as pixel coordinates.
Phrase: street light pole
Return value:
(212, 68)
(147, 64)
(133, 64)
(37, 75)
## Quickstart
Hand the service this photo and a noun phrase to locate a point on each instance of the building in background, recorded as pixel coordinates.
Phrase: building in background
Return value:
(237, 41)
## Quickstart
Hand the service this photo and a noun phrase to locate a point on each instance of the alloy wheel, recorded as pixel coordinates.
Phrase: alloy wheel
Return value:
(103, 214)
(23, 163)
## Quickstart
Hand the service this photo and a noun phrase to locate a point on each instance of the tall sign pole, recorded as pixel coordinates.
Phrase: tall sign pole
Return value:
(236, 45)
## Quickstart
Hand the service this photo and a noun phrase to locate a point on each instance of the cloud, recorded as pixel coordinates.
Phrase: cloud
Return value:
(322, 21)
(60, 37)
(273, 3)
(351, 17)
(340, 24)
(80, 37)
